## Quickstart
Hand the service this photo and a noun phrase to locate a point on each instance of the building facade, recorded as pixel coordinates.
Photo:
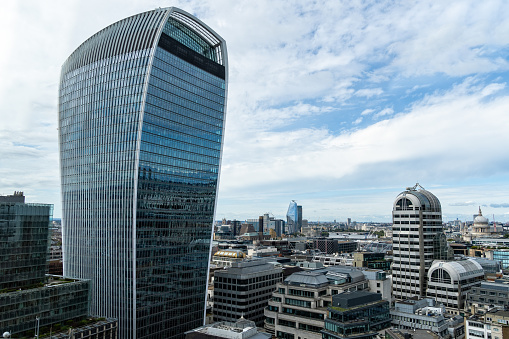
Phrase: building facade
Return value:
(357, 315)
(141, 120)
(244, 289)
(488, 294)
(423, 314)
(449, 282)
(24, 236)
(294, 218)
(30, 299)
(418, 239)
(298, 306)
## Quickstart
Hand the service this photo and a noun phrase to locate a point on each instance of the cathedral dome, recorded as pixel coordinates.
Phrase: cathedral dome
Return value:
(480, 219)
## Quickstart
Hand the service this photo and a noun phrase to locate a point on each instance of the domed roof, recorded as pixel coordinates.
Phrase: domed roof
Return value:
(417, 198)
(480, 219)
(458, 270)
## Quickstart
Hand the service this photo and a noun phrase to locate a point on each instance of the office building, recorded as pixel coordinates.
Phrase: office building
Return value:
(298, 306)
(141, 120)
(244, 289)
(449, 282)
(379, 283)
(294, 218)
(418, 239)
(357, 314)
(371, 260)
(24, 236)
(241, 329)
(332, 246)
(488, 295)
(30, 300)
(299, 218)
(493, 324)
(423, 314)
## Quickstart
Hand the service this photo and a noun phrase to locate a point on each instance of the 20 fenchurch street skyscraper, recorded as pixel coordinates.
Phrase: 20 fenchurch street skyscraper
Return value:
(141, 121)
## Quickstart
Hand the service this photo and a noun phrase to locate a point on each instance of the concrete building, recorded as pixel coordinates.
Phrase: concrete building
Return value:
(379, 282)
(488, 295)
(345, 259)
(449, 282)
(241, 329)
(418, 240)
(493, 324)
(424, 314)
(244, 290)
(299, 304)
(142, 106)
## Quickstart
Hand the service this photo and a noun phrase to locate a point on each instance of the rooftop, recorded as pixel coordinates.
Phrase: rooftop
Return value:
(308, 279)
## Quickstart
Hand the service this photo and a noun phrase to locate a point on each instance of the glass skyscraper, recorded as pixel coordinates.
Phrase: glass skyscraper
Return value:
(294, 218)
(141, 121)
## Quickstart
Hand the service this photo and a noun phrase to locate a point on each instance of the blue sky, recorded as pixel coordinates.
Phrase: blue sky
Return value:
(339, 105)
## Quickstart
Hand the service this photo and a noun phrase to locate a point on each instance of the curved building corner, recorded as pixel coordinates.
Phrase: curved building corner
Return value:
(142, 105)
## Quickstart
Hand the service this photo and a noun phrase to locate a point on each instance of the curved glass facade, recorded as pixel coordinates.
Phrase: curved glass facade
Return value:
(142, 107)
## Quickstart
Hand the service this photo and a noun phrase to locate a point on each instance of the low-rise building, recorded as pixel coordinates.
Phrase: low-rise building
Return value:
(345, 259)
(488, 295)
(225, 258)
(371, 260)
(450, 281)
(424, 314)
(357, 315)
(241, 329)
(379, 282)
(493, 324)
(299, 304)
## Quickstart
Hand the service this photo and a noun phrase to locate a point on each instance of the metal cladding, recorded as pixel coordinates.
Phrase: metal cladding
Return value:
(141, 121)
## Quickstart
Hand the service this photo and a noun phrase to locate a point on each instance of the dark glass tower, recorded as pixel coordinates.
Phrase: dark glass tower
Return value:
(141, 118)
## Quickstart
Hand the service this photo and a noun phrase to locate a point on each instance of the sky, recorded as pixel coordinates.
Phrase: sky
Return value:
(339, 105)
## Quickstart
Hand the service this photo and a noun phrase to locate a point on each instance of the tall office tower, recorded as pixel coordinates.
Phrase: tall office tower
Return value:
(142, 106)
(299, 218)
(418, 239)
(292, 217)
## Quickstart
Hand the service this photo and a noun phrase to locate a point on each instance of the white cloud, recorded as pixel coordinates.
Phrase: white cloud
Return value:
(291, 61)
(385, 111)
(367, 111)
(369, 92)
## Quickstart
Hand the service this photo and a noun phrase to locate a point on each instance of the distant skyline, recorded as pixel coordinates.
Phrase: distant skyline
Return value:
(338, 105)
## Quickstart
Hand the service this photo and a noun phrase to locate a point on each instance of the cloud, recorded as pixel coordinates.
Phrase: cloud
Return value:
(385, 111)
(466, 203)
(369, 92)
(357, 121)
(367, 111)
(504, 205)
(299, 73)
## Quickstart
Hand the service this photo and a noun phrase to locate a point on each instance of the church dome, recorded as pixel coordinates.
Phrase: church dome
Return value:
(480, 219)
